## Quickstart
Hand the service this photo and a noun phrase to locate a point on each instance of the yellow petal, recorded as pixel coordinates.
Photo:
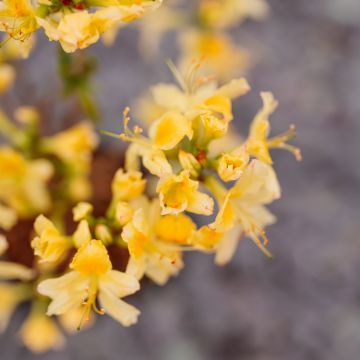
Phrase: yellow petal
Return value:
(121, 311)
(169, 130)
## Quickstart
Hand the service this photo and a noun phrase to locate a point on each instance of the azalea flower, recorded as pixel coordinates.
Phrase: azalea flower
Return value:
(244, 204)
(18, 20)
(91, 278)
(258, 143)
(178, 193)
(154, 242)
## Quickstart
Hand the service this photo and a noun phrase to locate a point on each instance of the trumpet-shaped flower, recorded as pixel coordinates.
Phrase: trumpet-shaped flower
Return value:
(232, 165)
(258, 143)
(154, 242)
(178, 193)
(18, 20)
(244, 203)
(83, 27)
(92, 277)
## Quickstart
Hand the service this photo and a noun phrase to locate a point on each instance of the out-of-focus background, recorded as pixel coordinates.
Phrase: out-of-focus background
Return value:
(303, 305)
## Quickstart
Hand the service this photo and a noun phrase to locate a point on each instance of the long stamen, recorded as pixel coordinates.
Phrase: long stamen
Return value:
(280, 142)
(259, 244)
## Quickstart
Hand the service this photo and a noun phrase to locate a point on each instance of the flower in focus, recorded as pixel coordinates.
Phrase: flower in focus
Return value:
(258, 143)
(178, 193)
(244, 204)
(84, 25)
(92, 277)
(154, 242)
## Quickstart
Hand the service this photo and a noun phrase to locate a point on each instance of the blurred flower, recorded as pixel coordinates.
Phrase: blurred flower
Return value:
(222, 57)
(49, 245)
(23, 183)
(39, 333)
(225, 13)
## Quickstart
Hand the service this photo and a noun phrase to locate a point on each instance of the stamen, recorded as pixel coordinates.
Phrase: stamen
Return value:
(280, 142)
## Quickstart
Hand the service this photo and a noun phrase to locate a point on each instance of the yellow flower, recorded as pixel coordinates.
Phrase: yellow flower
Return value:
(23, 183)
(17, 19)
(224, 244)
(92, 277)
(169, 130)
(175, 229)
(74, 145)
(225, 13)
(80, 29)
(127, 185)
(221, 55)
(244, 203)
(39, 333)
(258, 143)
(195, 97)
(231, 165)
(74, 31)
(178, 193)
(205, 238)
(49, 245)
(154, 248)
(7, 77)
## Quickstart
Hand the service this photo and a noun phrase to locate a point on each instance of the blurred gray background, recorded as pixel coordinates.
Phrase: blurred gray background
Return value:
(305, 304)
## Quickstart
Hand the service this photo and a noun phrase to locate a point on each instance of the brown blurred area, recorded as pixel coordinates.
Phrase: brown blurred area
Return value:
(303, 305)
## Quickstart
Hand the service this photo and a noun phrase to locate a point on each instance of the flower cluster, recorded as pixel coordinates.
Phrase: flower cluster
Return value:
(188, 182)
(76, 24)
(179, 171)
